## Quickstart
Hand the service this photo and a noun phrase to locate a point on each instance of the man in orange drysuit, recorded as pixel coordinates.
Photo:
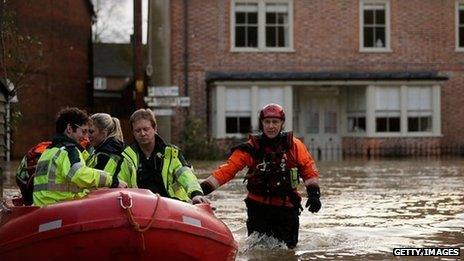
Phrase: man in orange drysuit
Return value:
(275, 160)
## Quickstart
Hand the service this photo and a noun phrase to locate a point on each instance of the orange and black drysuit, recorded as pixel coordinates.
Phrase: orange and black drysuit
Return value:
(274, 168)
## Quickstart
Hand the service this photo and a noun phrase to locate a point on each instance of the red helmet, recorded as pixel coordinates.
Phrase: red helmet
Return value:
(272, 110)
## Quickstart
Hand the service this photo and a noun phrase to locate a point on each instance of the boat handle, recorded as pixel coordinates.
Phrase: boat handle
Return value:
(123, 198)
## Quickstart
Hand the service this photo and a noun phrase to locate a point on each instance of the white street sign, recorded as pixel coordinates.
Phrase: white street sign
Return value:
(164, 112)
(163, 91)
(167, 101)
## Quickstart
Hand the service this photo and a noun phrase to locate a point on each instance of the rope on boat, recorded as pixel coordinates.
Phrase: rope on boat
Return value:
(137, 227)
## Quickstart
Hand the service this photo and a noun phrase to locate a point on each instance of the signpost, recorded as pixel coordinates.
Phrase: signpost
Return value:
(163, 99)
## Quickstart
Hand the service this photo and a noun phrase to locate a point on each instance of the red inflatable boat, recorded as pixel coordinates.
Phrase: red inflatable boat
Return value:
(115, 224)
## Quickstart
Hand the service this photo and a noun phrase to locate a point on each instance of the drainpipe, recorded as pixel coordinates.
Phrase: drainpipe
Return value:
(186, 53)
(8, 130)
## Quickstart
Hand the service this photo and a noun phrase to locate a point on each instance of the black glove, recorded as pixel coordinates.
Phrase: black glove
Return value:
(313, 204)
(206, 187)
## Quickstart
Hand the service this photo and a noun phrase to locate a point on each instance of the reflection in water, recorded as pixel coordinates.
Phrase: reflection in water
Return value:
(369, 208)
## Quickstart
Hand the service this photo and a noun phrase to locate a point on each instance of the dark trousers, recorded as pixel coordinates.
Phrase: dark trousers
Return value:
(277, 221)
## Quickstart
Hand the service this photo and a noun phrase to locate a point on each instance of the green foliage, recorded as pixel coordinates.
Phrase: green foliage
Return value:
(195, 142)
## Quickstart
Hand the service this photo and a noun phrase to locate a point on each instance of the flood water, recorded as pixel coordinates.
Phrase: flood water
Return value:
(369, 208)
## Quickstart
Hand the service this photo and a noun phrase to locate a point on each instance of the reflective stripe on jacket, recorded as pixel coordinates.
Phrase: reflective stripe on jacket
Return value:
(62, 175)
(127, 169)
(178, 179)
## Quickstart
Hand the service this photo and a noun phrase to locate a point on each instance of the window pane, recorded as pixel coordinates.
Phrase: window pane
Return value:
(231, 125)
(361, 124)
(388, 98)
(271, 18)
(252, 36)
(270, 95)
(413, 124)
(244, 124)
(381, 124)
(271, 36)
(426, 123)
(379, 37)
(281, 36)
(368, 37)
(461, 16)
(313, 122)
(380, 17)
(282, 18)
(240, 18)
(461, 36)
(238, 99)
(330, 122)
(394, 124)
(368, 17)
(252, 18)
(240, 37)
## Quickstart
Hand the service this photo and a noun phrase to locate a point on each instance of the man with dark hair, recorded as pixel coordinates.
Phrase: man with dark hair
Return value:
(161, 166)
(61, 171)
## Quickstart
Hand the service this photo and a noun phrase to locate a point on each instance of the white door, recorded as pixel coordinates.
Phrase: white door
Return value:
(320, 117)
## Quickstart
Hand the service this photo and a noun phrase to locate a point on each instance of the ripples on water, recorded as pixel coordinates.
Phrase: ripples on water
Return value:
(369, 208)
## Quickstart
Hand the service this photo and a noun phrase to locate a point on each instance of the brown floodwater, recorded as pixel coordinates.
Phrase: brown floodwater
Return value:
(369, 208)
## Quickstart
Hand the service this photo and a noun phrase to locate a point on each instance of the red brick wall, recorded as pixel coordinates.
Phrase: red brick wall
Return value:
(326, 38)
(64, 28)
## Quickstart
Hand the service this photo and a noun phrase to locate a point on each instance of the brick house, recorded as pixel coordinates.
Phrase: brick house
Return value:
(362, 74)
(63, 74)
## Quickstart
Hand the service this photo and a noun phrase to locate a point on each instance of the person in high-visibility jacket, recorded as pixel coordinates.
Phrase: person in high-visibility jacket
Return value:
(61, 171)
(161, 167)
(276, 161)
(109, 151)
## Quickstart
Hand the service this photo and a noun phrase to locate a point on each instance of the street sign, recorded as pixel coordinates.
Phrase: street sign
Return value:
(167, 101)
(163, 91)
(164, 112)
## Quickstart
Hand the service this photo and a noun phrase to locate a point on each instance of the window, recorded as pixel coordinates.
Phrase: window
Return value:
(419, 109)
(99, 83)
(238, 111)
(387, 111)
(460, 26)
(261, 25)
(374, 25)
(246, 25)
(356, 109)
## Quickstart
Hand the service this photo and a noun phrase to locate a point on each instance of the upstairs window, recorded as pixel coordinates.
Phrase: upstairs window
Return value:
(261, 25)
(460, 26)
(246, 25)
(375, 25)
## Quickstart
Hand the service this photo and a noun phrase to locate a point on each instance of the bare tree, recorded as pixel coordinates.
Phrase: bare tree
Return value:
(112, 24)
(20, 53)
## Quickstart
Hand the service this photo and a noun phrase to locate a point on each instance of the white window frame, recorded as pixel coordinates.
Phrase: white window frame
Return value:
(238, 114)
(218, 112)
(459, 6)
(362, 5)
(436, 111)
(262, 27)
(422, 112)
